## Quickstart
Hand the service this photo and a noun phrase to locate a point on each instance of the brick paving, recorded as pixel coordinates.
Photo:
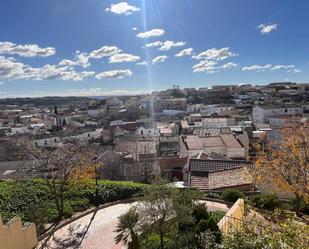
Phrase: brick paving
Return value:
(100, 233)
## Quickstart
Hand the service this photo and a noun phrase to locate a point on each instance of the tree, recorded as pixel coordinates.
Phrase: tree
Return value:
(285, 162)
(167, 218)
(127, 229)
(58, 167)
(209, 225)
(158, 211)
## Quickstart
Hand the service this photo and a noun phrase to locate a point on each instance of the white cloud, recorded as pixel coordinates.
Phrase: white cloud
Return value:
(229, 65)
(294, 70)
(164, 46)
(167, 45)
(119, 58)
(215, 54)
(266, 29)
(134, 29)
(159, 59)
(104, 51)
(270, 67)
(27, 50)
(68, 63)
(78, 76)
(154, 44)
(114, 74)
(50, 72)
(142, 63)
(185, 52)
(258, 68)
(101, 92)
(205, 66)
(281, 67)
(122, 8)
(81, 59)
(151, 33)
(210, 66)
(10, 69)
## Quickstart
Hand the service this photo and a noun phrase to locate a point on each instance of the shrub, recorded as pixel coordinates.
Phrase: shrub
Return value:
(209, 225)
(304, 207)
(33, 201)
(269, 202)
(217, 216)
(199, 213)
(153, 242)
(232, 195)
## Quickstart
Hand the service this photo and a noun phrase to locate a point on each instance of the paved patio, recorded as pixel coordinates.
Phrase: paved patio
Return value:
(96, 231)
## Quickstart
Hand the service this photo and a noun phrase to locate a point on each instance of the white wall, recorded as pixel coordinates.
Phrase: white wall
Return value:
(141, 131)
(235, 152)
(51, 141)
(261, 115)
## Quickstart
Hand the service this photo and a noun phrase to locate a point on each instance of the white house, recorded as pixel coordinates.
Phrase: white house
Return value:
(114, 101)
(215, 109)
(261, 113)
(218, 122)
(152, 132)
(87, 136)
(146, 102)
(283, 121)
(19, 130)
(194, 108)
(46, 142)
(171, 112)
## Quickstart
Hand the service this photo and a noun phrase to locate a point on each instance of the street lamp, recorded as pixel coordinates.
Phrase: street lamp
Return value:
(94, 161)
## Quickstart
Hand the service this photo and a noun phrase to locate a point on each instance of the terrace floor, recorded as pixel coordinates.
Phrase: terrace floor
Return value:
(96, 230)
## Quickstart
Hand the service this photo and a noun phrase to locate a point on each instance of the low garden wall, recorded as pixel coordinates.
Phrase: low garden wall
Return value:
(233, 219)
(13, 235)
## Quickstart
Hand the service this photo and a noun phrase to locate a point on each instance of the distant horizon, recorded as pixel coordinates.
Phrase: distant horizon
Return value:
(145, 93)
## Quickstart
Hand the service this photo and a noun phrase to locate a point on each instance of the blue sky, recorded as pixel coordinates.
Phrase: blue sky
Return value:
(96, 47)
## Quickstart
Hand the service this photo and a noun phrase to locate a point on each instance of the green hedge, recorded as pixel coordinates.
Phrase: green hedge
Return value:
(269, 202)
(32, 200)
(231, 195)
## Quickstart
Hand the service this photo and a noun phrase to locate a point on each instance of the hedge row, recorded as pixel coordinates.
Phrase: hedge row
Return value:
(32, 200)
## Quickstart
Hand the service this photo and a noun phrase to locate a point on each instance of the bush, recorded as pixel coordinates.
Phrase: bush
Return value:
(200, 213)
(33, 202)
(232, 195)
(217, 216)
(209, 225)
(153, 242)
(269, 202)
(304, 207)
